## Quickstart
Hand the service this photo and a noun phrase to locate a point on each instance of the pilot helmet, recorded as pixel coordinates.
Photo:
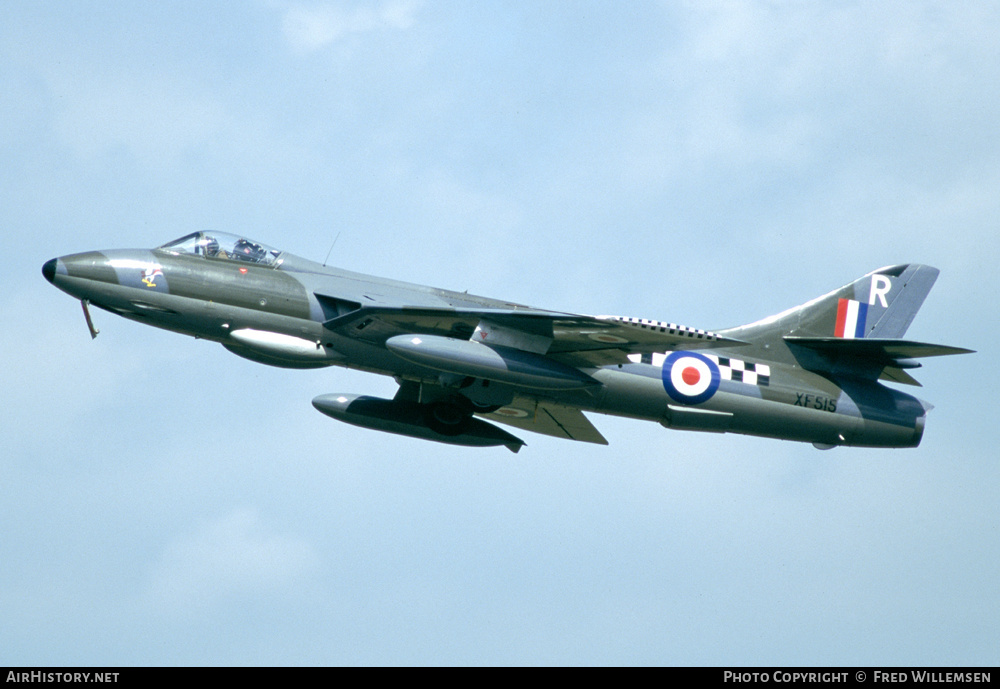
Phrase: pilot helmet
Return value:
(211, 246)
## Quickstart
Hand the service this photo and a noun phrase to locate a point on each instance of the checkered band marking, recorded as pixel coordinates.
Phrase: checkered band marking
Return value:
(660, 326)
(729, 369)
(742, 372)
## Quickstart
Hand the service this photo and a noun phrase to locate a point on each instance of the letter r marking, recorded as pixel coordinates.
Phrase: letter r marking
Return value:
(880, 287)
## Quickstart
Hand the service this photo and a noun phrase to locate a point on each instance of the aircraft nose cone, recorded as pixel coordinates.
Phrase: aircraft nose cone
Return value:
(49, 269)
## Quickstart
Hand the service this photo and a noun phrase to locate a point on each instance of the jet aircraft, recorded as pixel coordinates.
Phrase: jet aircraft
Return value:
(812, 373)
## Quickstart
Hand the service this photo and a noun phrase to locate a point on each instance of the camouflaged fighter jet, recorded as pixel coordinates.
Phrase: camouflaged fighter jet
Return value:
(811, 373)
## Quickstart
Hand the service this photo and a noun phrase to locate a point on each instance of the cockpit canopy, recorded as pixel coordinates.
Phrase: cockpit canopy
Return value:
(221, 245)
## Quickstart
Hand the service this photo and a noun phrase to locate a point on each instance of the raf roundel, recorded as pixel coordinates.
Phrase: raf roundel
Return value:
(689, 377)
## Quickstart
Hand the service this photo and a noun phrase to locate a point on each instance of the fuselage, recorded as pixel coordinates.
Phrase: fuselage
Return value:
(278, 311)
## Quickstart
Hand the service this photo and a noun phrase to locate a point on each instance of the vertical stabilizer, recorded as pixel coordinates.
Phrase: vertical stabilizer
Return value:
(882, 304)
(906, 296)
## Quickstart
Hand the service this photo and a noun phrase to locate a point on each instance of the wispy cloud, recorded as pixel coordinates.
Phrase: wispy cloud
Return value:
(310, 28)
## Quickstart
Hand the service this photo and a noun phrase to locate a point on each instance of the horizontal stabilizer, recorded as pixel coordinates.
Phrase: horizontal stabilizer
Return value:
(898, 375)
(885, 358)
(875, 349)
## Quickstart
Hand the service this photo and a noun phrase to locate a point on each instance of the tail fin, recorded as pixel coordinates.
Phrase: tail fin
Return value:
(896, 294)
(853, 330)
(883, 303)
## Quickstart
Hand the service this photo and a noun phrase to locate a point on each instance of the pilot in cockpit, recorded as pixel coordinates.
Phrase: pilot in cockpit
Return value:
(246, 250)
(213, 249)
(211, 246)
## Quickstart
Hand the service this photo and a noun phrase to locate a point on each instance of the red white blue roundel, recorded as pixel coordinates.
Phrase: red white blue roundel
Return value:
(689, 377)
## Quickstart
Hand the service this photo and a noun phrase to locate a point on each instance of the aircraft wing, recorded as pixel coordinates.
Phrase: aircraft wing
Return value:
(548, 419)
(577, 340)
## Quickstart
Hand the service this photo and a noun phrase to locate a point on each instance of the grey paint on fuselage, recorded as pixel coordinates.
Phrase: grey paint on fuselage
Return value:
(813, 387)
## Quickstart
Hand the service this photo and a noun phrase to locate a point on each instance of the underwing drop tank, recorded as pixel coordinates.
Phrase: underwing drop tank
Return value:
(490, 362)
(412, 419)
(278, 349)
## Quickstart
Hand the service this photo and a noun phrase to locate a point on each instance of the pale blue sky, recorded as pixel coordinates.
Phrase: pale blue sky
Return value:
(165, 502)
